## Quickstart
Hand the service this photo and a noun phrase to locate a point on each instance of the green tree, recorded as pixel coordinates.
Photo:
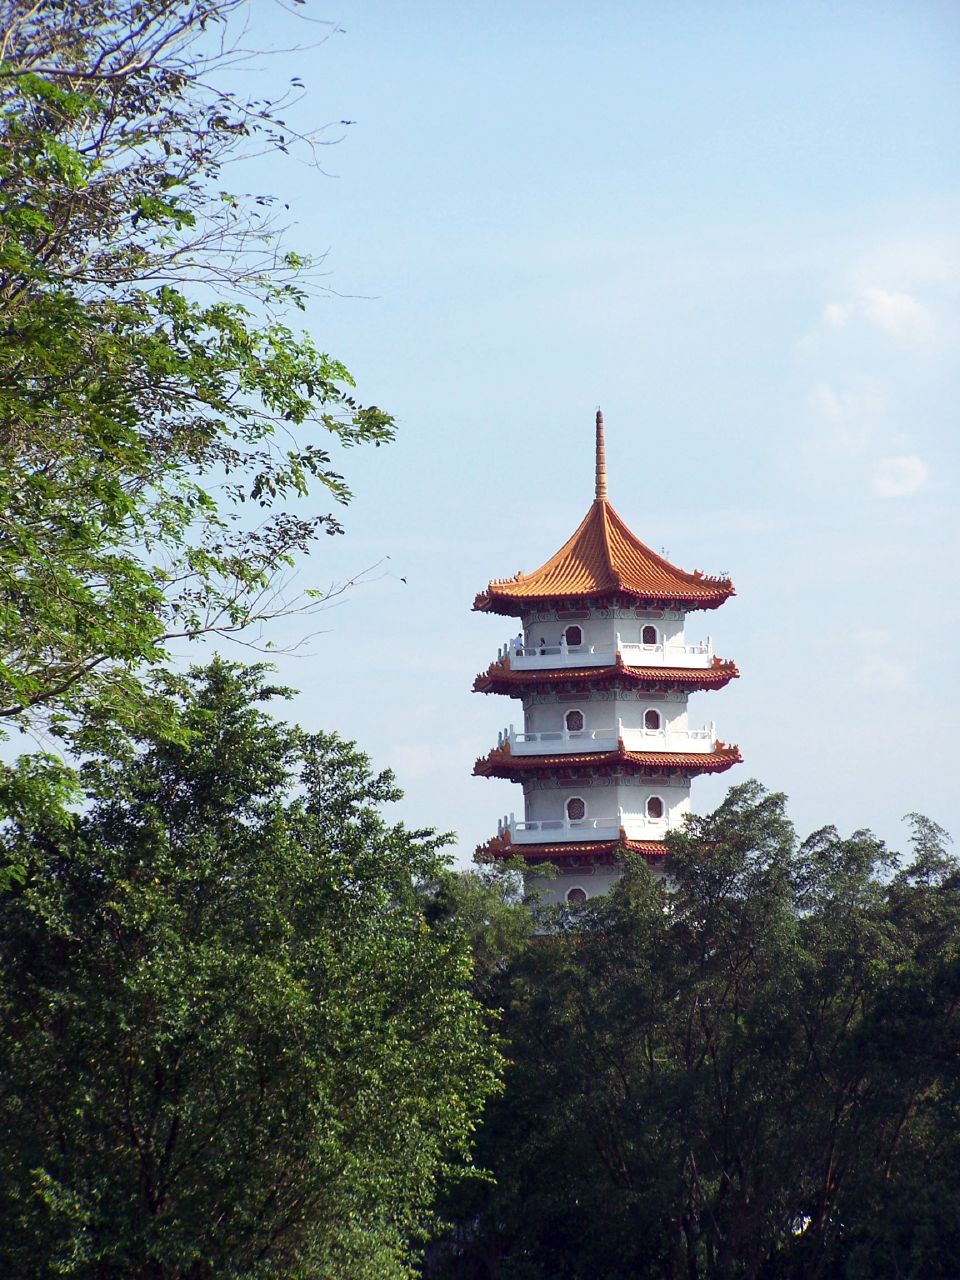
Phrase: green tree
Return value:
(150, 385)
(747, 1076)
(490, 905)
(231, 1042)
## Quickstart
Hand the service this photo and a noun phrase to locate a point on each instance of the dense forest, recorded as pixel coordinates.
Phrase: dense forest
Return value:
(249, 1027)
(749, 1073)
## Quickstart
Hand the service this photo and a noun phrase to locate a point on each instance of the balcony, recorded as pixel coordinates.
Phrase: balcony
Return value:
(693, 656)
(570, 741)
(579, 830)
(554, 657)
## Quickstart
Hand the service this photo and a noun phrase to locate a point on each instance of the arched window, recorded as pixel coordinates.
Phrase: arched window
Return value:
(576, 809)
(573, 636)
(576, 894)
(651, 719)
(648, 635)
(574, 721)
(654, 807)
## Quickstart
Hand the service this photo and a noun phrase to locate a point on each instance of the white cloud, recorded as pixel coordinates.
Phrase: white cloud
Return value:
(899, 314)
(928, 261)
(836, 315)
(850, 416)
(879, 671)
(899, 477)
(896, 314)
(830, 403)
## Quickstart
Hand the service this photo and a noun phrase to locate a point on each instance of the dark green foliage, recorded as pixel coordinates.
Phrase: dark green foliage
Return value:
(149, 383)
(489, 905)
(751, 1076)
(231, 1043)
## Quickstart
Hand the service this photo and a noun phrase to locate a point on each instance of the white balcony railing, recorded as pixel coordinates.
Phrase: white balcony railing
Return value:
(695, 656)
(568, 741)
(570, 830)
(558, 742)
(699, 741)
(547, 657)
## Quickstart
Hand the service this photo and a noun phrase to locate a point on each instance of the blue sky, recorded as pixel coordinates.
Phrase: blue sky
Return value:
(735, 228)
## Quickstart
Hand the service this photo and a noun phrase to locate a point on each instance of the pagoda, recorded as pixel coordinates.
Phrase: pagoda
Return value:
(602, 670)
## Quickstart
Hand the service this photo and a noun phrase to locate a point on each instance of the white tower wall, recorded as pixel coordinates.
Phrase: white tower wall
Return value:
(611, 801)
(603, 711)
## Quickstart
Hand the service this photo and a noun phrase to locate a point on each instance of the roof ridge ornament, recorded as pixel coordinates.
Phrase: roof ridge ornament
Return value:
(601, 460)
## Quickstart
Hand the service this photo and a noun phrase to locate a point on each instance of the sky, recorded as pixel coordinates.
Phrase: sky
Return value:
(734, 227)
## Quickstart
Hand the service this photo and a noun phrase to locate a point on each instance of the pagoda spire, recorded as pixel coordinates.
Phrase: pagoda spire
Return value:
(601, 460)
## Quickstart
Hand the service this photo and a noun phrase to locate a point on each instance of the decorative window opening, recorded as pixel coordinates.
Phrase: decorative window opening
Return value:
(651, 719)
(648, 635)
(576, 894)
(654, 807)
(576, 809)
(574, 721)
(573, 637)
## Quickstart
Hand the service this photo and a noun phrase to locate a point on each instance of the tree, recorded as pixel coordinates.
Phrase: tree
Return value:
(749, 1076)
(490, 905)
(231, 1044)
(149, 383)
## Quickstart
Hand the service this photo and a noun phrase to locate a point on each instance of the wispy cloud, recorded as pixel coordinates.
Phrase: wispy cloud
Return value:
(850, 416)
(882, 672)
(870, 363)
(893, 313)
(899, 477)
(899, 314)
(929, 261)
(836, 315)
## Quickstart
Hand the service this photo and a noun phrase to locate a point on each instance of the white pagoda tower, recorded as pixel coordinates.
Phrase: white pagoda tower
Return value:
(603, 670)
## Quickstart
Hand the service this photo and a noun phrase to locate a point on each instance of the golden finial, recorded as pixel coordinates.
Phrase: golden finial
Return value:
(601, 461)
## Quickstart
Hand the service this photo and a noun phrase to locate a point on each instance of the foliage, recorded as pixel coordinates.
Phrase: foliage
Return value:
(149, 383)
(490, 905)
(751, 1074)
(231, 1043)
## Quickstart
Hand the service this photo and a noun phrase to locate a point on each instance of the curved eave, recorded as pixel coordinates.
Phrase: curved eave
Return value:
(501, 678)
(515, 605)
(604, 851)
(604, 560)
(502, 763)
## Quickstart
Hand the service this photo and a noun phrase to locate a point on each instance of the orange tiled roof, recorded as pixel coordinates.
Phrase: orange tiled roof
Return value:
(500, 677)
(500, 847)
(603, 559)
(502, 763)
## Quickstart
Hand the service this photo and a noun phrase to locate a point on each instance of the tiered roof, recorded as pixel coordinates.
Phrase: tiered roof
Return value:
(500, 677)
(502, 763)
(604, 561)
(590, 850)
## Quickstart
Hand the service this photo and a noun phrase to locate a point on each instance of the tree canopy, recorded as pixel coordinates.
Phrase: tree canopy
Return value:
(232, 1043)
(750, 1075)
(152, 393)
